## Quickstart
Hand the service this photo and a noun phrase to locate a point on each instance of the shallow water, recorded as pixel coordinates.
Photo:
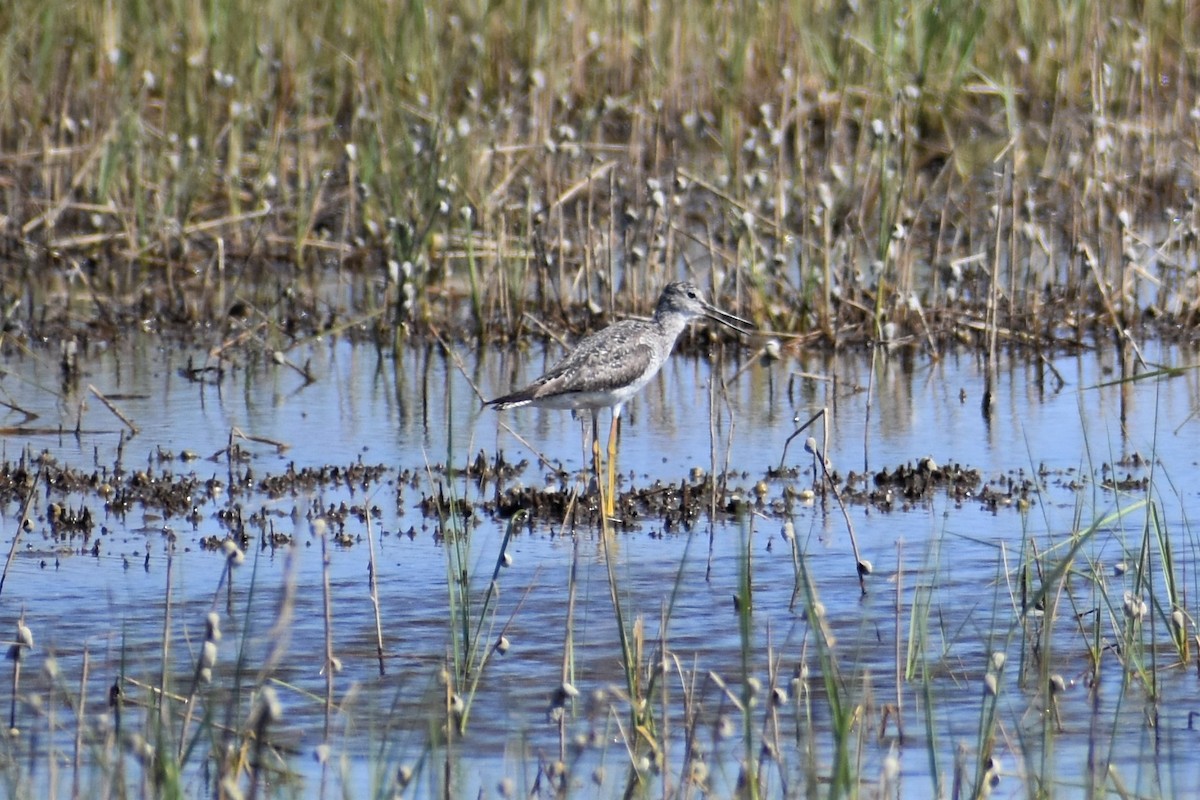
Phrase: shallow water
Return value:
(414, 412)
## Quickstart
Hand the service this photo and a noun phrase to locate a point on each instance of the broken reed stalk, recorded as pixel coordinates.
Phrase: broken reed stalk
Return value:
(712, 476)
(861, 567)
(568, 660)
(22, 517)
(16, 652)
(820, 414)
(111, 406)
(164, 715)
(237, 432)
(991, 377)
(327, 612)
(867, 413)
(743, 607)
(373, 590)
(305, 372)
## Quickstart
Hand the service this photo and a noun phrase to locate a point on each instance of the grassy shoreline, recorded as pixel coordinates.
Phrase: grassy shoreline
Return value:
(840, 173)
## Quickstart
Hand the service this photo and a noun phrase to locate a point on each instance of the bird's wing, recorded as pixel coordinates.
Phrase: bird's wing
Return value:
(617, 356)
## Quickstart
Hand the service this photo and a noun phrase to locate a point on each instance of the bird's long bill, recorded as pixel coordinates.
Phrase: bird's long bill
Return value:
(728, 320)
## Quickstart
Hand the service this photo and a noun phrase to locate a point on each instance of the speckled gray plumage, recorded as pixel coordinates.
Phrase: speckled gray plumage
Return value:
(608, 367)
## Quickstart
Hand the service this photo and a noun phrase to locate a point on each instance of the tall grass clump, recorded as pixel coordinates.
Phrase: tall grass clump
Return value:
(474, 633)
(843, 710)
(854, 166)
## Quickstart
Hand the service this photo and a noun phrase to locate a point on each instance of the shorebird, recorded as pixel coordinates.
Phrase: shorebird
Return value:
(608, 367)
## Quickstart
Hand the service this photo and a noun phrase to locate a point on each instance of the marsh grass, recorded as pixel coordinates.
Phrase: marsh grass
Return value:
(901, 171)
(1053, 587)
(842, 707)
(473, 636)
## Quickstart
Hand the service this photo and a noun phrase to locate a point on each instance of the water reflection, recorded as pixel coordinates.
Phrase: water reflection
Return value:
(422, 408)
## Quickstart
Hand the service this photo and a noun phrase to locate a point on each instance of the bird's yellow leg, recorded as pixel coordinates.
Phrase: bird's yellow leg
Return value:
(611, 507)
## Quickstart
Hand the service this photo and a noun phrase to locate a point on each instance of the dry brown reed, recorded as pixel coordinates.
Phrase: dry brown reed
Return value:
(1010, 173)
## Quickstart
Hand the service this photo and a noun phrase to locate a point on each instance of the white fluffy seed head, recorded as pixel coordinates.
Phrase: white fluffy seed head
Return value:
(233, 553)
(891, 767)
(208, 655)
(212, 626)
